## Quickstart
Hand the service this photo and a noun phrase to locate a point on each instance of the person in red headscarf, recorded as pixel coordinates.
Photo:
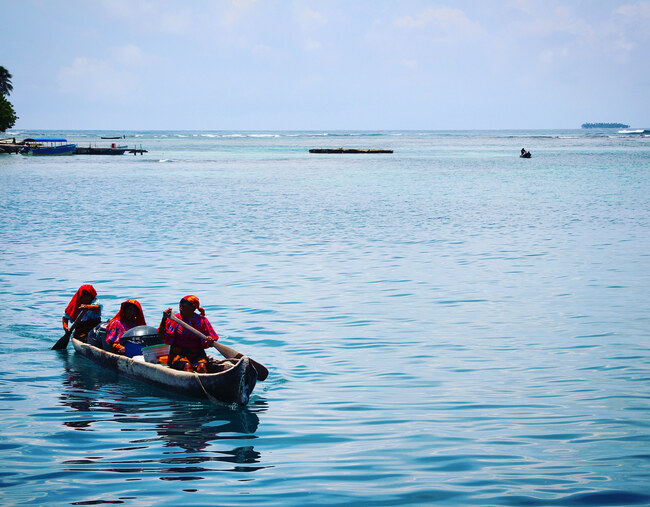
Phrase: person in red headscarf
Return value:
(187, 351)
(83, 299)
(129, 316)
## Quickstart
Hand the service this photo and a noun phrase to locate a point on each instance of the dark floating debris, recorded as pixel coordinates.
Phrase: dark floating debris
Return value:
(347, 150)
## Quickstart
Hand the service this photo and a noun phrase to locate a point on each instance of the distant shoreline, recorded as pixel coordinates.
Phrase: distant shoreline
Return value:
(605, 126)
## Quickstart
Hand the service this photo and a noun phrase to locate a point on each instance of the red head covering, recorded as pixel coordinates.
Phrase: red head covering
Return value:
(140, 317)
(73, 306)
(195, 303)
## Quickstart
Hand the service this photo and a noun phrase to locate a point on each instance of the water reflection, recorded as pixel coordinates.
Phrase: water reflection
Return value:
(179, 439)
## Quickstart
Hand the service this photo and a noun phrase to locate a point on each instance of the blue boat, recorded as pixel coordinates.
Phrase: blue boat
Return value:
(54, 146)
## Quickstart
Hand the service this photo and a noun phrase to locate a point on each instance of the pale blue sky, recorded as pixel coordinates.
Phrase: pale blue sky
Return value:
(294, 65)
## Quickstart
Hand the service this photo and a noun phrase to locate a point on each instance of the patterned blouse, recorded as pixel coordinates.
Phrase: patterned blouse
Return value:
(115, 330)
(178, 336)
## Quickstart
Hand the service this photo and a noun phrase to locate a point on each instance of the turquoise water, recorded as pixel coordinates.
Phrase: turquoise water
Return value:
(448, 324)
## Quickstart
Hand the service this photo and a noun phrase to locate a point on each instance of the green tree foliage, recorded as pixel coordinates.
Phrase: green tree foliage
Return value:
(5, 82)
(7, 114)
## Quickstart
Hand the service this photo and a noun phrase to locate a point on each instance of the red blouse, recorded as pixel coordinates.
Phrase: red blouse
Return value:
(176, 335)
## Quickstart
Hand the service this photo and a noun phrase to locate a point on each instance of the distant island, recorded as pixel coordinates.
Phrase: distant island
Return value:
(604, 126)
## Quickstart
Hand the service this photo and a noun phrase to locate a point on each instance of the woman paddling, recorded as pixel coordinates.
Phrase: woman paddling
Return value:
(129, 316)
(187, 351)
(83, 299)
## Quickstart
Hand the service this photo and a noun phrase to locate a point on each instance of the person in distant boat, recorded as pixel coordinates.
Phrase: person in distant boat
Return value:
(524, 153)
(187, 351)
(129, 316)
(83, 299)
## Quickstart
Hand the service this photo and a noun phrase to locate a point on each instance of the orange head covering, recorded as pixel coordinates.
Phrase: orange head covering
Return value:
(139, 318)
(195, 303)
(73, 306)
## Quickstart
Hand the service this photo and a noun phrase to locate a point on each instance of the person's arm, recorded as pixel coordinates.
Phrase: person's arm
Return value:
(65, 321)
(113, 335)
(208, 331)
(163, 322)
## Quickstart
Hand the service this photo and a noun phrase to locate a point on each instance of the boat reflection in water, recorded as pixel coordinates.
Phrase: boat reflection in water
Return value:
(138, 430)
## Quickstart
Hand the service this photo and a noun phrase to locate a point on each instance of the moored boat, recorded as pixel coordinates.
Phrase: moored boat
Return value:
(231, 386)
(47, 146)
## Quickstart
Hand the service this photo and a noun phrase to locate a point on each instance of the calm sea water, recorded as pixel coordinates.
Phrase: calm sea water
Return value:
(448, 324)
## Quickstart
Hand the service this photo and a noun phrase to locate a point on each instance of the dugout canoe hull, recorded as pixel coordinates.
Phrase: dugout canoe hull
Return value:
(233, 386)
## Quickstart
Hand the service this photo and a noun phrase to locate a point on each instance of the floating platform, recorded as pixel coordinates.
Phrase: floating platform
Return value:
(113, 150)
(93, 150)
(348, 150)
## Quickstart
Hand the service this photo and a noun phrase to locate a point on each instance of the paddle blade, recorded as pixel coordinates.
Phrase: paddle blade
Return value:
(63, 342)
(227, 352)
(262, 372)
(230, 353)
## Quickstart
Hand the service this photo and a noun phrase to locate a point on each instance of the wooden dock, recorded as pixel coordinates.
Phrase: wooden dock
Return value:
(136, 151)
(11, 146)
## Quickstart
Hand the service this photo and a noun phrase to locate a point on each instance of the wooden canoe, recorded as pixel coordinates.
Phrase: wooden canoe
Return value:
(232, 386)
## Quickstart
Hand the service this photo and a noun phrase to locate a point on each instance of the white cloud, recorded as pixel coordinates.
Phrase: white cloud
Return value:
(310, 23)
(97, 80)
(446, 20)
(131, 55)
(236, 10)
(311, 81)
(266, 52)
(160, 16)
(637, 10)
(631, 26)
(309, 19)
(553, 56)
(522, 5)
(312, 45)
(560, 20)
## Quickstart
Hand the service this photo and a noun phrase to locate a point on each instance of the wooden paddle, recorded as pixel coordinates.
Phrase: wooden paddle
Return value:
(225, 351)
(62, 343)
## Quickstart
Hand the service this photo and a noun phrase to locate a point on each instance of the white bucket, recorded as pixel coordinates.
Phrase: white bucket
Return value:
(152, 353)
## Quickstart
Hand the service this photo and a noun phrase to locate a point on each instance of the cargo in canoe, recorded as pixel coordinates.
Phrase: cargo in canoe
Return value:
(232, 386)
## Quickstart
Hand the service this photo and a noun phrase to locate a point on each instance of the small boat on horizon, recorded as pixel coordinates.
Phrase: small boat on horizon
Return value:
(113, 137)
(47, 146)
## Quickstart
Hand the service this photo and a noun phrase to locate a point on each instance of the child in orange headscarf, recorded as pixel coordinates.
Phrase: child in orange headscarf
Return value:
(129, 316)
(187, 351)
(83, 299)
